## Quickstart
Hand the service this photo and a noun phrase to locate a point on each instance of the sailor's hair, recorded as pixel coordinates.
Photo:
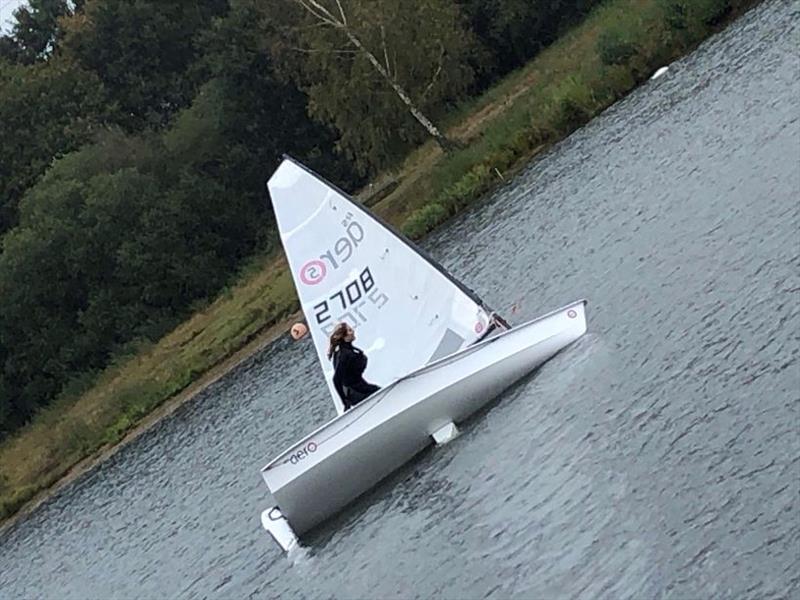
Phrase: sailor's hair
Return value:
(337, 337)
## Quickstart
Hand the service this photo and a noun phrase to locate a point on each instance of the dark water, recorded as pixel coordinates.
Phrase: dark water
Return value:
(658, 457)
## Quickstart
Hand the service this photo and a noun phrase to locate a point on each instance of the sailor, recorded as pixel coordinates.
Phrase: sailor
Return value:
(349, 364)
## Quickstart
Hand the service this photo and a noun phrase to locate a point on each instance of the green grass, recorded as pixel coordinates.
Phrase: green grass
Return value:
(619, 45)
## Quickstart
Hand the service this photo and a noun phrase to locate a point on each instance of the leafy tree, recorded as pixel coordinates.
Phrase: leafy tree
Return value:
(340, 22)
(36, 30)
(515, 30)
(9, 50)
(422, 47)
(46, 110)
(253, 115)
(113, 244)
(40, 295)
(118, 239)
(143, 51)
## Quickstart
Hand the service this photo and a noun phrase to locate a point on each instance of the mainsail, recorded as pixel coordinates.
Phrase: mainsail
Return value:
(349, 266)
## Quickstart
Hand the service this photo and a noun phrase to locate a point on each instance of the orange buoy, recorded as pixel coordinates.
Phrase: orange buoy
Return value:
(298, 331)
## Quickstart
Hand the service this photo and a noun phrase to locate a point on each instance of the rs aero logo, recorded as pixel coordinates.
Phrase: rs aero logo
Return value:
(303, 453)
(315, 270)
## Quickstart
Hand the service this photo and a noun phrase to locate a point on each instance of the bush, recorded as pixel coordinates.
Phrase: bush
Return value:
(574, 103)
(676, 13)
(711, 12)
(424, 219)
(616, 47)
(458, 195)
(616, 81)
(78, 436)
(694, 15)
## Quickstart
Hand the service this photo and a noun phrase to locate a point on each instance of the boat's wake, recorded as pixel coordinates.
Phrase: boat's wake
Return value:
(299, 556)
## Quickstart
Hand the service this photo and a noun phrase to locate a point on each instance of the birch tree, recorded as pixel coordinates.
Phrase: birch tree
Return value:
(354, 51)
(339, 22)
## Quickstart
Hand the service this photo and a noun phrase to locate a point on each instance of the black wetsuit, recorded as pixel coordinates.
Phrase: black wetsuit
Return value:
(349, 363)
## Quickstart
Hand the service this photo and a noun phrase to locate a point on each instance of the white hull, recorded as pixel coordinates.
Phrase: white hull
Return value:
(347, 456)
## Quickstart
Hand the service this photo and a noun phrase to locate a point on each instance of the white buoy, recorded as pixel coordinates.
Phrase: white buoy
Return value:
(660, 72)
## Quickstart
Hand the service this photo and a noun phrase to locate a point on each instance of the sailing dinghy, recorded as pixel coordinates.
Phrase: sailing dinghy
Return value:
(437, 350)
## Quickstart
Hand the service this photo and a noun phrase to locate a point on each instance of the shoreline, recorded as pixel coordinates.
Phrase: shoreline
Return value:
(259, 342)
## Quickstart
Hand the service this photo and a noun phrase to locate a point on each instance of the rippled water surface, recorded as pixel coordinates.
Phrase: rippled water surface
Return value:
(658, 457)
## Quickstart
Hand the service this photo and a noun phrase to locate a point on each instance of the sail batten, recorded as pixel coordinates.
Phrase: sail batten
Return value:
(349, 265)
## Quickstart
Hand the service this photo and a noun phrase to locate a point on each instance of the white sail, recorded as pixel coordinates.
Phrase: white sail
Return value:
(348, 266)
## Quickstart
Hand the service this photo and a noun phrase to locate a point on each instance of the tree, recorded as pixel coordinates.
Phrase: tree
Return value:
(114, 241)
(36, 31)
(247, 116)
(367, 64)
(513, 31)
(144, 52)
(112, 245)
(340, 23)
(46, 110)
(41, 294)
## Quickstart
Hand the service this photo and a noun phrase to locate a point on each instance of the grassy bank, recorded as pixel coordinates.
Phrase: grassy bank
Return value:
(618, 46)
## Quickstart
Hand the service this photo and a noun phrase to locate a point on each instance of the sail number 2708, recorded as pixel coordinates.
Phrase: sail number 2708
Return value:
(348, 301)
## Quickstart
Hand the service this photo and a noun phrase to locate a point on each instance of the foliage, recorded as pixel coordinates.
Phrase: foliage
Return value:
(616, 47)
(515, 30)
(144, 52)
(694, 15)
(111, 246)
(619, 46)
(36, 30)
(424, 46)
(46, 111)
